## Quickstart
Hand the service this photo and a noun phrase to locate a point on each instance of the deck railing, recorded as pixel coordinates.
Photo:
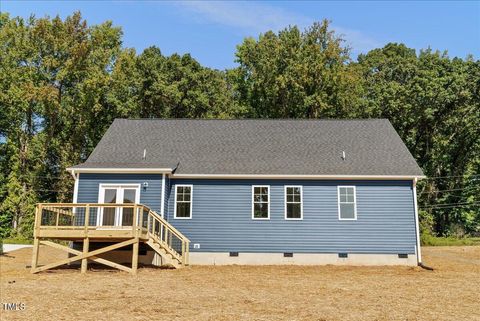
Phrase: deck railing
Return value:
(144, 223)
(174, 242)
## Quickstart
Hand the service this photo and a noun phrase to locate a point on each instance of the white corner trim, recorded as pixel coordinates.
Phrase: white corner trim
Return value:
(191, 202)
(287, 176)
(75, 188)
(162, 205)
(121, 170)
(417, 222)
(354, 202)
(253, 203)
(301, 202)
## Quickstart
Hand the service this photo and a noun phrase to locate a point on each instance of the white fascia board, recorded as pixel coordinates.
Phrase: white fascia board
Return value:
(276, 176)
(121, 170)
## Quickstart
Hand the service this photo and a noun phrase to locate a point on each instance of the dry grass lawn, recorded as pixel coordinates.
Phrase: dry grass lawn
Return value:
(451, 292)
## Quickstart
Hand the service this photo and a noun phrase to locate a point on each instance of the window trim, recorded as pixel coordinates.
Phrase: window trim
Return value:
(354, 202)
(253, 203)
(191, 202)
(301, 202)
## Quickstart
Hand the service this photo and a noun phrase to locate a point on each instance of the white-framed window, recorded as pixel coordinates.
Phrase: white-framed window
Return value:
(347, 203)
(293, 202)
(183, 201)
(260, 202)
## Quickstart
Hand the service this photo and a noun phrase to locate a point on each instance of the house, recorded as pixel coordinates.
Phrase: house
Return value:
(265, 189)
(261, 191)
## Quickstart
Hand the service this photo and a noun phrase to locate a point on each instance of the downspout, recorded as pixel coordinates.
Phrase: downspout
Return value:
(162, 206)
(417, 223)
(417, 228)
(75, 187)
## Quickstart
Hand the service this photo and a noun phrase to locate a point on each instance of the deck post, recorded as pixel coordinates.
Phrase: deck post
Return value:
(135, 256)
(36, 247)
(184, 257)
(36, 243)
(135, 220)
(140, 225)
(86, 243)
(87, 219)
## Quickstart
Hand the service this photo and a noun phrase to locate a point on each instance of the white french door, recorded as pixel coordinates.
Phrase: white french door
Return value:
(117, 194)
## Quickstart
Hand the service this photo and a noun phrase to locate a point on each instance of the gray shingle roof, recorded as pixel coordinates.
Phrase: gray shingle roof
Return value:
(289, 147)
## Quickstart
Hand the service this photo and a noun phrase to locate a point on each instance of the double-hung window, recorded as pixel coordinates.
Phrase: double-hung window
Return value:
(347, 203)
(293, 203)
(183, 201)
(260, 202)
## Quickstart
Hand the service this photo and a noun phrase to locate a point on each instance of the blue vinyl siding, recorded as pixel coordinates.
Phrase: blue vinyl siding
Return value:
(222, 209)
(88, 186)
(166, 195)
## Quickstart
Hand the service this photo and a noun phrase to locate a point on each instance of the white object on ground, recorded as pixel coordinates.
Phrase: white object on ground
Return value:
(13, 247)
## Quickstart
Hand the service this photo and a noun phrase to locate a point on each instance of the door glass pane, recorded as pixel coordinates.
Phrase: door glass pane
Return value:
(109, 212)
(128, 198)
(129, 195)
(110, 196)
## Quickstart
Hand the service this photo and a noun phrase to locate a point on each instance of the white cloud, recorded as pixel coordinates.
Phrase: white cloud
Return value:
(252, 17)
(255, 18)
(358, 41)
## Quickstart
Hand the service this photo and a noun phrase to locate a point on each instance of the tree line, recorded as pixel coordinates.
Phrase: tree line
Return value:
(62, 82)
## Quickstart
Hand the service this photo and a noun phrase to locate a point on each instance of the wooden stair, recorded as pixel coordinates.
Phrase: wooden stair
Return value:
(167, 241)
(167, 258)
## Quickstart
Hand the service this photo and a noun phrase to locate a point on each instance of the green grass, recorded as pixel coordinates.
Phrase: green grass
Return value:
(17, 240)
(429, 240)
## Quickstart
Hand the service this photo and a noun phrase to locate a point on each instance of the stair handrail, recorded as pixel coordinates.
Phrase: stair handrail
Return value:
(184, 256)
(169, 226)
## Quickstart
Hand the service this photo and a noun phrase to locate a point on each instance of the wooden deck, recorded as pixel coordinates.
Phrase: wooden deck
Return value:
(83, 223)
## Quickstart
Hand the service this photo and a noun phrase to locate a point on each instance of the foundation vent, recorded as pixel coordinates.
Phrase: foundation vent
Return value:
(287, 254)
(343, 255)
(233, 253)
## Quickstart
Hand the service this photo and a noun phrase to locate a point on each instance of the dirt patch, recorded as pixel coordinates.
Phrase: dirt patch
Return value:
(451, 292)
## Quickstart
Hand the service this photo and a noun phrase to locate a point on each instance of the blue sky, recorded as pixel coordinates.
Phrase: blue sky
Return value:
(210, 31)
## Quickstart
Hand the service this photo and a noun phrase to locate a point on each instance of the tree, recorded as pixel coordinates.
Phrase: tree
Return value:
(433, 103)
(179, 87)
(54, 80)
(296, 74)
